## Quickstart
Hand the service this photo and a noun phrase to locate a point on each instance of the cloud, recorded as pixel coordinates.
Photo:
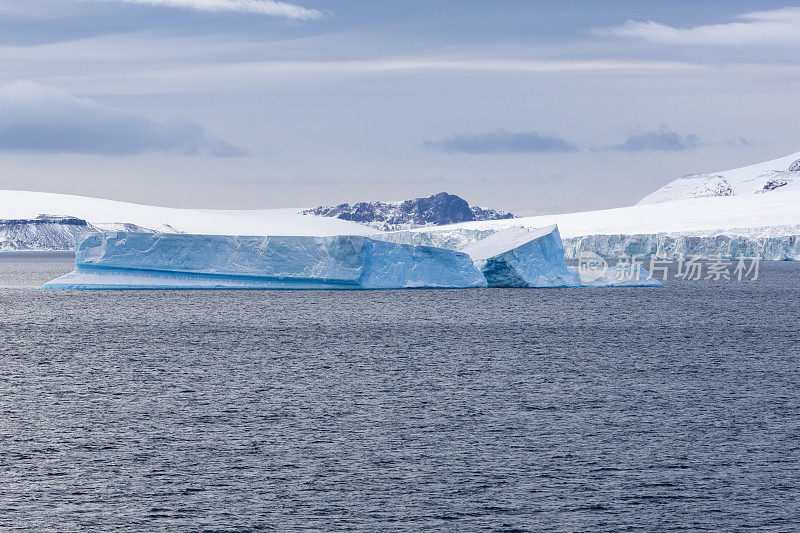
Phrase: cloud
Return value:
(259, 7)
(739, 141)
(661, 140)
(775, 27)
(501, 141)
(37, 118)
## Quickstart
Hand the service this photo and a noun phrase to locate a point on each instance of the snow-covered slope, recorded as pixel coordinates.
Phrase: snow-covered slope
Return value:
(764, 178)
(114, 215)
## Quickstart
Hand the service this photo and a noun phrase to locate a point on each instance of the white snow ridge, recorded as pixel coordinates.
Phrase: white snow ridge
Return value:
(747, 180)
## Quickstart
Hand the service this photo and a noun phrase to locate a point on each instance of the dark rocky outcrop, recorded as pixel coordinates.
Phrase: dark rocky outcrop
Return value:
(436, 210)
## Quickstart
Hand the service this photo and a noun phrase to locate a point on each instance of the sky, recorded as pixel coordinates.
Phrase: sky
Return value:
(528, 106)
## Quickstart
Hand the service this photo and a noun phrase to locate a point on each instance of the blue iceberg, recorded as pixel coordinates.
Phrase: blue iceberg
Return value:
(126, 260)
(521, 257)
(514, 257)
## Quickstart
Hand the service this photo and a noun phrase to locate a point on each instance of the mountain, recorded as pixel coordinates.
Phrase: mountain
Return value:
(763, 178)
(436, 210)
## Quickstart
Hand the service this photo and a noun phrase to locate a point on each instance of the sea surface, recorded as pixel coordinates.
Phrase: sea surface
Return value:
(661, 409)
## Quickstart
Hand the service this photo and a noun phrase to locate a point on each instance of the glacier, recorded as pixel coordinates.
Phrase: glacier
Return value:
(117, 260)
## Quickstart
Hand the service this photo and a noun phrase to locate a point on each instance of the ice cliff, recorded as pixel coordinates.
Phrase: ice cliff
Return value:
(520, 257)
(775, 243)
(41, 233)
(514, 257)
(143, 260)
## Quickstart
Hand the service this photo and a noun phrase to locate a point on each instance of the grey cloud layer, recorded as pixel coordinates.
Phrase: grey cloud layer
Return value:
(661, 140)
(497, 141)
(500, 141)
(36, 118)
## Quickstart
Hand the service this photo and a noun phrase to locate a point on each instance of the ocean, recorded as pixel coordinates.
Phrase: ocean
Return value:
(657, 409)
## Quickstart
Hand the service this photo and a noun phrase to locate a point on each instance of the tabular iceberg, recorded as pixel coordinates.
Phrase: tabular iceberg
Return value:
(520, 257)
(156, 260)
(514, 257)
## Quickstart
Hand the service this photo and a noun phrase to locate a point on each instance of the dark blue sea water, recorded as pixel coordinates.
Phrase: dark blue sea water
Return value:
(490, 409)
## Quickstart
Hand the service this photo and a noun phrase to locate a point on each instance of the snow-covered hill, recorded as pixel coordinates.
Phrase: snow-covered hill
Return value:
(22, 227)
(764, 178)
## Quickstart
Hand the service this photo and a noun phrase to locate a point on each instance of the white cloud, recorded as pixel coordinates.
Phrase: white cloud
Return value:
(37, 118)
(775, 27)
(259, 7)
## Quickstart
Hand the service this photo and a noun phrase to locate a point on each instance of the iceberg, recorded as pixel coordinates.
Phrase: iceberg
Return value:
(520, 257)
(129, 260)
(514, 257)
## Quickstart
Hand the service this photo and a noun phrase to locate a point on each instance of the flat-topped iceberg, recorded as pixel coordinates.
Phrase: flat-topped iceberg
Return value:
(521, 257)
(156, 260)
(514, 257)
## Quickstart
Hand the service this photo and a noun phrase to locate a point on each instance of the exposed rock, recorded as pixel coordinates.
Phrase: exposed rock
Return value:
(437, 210)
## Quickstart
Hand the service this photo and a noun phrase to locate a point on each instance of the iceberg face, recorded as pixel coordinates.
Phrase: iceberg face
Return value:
(389, 265)
(155, 260)
(519, 257)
